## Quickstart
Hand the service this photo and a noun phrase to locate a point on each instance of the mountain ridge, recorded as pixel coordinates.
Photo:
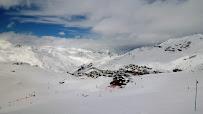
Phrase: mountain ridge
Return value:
(184, 53)
(167, 55)
(58, 59)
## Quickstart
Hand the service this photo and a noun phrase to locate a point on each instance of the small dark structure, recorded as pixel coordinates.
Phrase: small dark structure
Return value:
(177, 70)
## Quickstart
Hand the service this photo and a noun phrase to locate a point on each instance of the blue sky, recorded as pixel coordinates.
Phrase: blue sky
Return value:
(116, 23)
(39, 29)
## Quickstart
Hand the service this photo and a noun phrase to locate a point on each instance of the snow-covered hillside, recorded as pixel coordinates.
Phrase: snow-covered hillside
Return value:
(32, 90)
(58, 59)
(33, 81)
(183, 53)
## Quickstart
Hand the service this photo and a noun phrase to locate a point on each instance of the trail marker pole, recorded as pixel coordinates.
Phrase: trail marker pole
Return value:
(196, 97)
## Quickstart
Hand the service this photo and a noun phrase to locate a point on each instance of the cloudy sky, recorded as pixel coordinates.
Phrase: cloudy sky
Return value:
(115, 24)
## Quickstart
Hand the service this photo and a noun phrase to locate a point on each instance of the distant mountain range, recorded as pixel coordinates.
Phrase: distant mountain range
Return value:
(183, 53)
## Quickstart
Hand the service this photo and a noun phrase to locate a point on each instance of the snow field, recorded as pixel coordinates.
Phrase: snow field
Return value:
(157, 93)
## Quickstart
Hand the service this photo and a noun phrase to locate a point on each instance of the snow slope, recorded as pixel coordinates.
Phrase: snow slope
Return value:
(165, 93)
(26, 88)
(57, 59)
(184, 53)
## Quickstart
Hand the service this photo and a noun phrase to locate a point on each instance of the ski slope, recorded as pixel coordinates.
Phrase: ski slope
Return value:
(184, 53)
(152, 94)
(33, 80)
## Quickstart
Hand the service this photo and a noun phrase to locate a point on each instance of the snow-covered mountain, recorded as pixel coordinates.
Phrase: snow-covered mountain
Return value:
(58, 59)
(26, 88)
(183, 53)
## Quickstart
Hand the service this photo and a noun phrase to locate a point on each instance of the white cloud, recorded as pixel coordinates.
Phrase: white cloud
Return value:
(29, 39)
(11, 25)
(77, 37)
(77, 42)
(132, 22)
(6, 4)
(61, 33)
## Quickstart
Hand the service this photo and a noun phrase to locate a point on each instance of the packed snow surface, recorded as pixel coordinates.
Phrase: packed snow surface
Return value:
(166, 93)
